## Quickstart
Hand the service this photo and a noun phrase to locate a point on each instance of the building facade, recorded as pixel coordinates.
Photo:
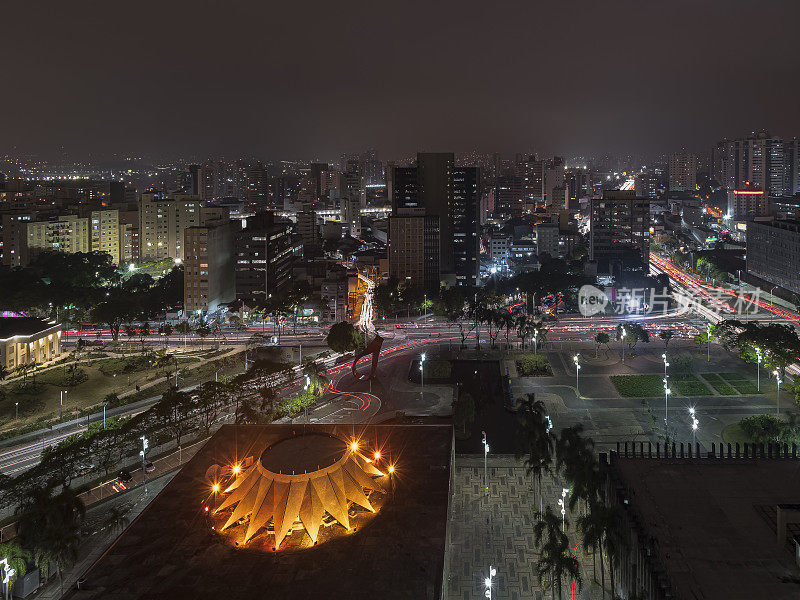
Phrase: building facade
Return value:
(619, 227)
(414, 248)
(263, 251)
(208, 279)
(162, 221)
(773, 252)
(26, 340)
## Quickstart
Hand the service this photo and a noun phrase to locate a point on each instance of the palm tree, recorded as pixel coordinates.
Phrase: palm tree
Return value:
(17, 559)
(666, 335)
(508, 322)
(539, 333)
(50, 525)
(604, 526)
(524, 323)
(534, 440)
(576, 458)
(555, 558)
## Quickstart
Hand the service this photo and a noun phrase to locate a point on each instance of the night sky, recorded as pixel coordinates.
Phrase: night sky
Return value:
(314, 79)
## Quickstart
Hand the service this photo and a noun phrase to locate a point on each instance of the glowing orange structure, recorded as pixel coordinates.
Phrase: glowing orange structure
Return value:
(327, 474)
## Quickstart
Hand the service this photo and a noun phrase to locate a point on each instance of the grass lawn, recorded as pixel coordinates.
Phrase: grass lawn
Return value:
(719, 384)
(733, 433)
(638, 386)
(533, 365)
(647, 386)
(42, 401)
(689, 385)
(743, 384)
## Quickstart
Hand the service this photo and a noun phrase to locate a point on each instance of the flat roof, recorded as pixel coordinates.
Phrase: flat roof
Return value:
(713, 523)
(13, 326)
(171, 551)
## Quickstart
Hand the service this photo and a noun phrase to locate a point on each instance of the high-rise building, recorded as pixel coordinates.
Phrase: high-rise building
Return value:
(98, 232)
(257, 187)
(510, 195)
(757, 161)
(414, 248)
(619, 229)
(791, 167)
(162, 221)
(747, 203)
(352, 201)
(773, 252)
(452, 194)
(308, 228)
(263, 250)
(683, 171)
(208, 279)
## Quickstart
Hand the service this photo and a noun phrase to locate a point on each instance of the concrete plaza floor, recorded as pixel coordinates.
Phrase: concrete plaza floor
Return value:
(498, 530)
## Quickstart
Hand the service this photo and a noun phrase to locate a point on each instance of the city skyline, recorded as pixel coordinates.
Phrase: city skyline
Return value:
(175, 80)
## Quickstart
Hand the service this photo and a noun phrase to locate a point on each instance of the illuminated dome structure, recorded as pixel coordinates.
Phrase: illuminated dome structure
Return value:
(303, 478)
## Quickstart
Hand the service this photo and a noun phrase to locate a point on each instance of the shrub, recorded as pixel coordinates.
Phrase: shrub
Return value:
(534, 365)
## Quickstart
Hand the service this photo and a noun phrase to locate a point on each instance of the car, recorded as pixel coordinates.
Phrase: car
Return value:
(85, 469)
(124, 476)
(149, 467)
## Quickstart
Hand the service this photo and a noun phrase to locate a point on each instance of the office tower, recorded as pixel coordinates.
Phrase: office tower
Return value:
(317, 173)
(208, 181)
(104, 233)
(452, 194)
(414, 248)
(189, 180)
(309, 232)
(683, 171)
(547, 238)
(648, 184)
(263, 250)
(486, 207)
(747, 203)
(791, 167)
(257, 187)
(579, 185)
(510, 197)
(553, 177)
(208, 279)
(773, 252)
(352, 201)
(531, 172)
(162, 221)
(619, 230)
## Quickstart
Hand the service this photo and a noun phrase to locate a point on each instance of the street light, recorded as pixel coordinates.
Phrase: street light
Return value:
(16, 411)
(667, 392)
(758, 368)
(488, 582)
(61, 405)
(143, 451)
(666, 364)
(485, 469)
(772, 295)
(8, 573)
(622, 329)
(780, 381)
(708, 341)
(562, 504)
(535, 340)
(576, 358)
(695, 422)
(421, 371)
(104, 414)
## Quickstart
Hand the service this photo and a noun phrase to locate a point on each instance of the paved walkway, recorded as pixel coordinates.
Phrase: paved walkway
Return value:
(499, 532)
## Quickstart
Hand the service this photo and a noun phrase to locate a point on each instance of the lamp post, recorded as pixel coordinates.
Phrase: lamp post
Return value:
(8, 573)
(488, 582)
(622, 329)
(576, 358)
(425, 307)
(421, 369)
(666, 364)
(758, 369)
(61, 405)
(708, 341)
(667, 392)
(16, 411)
(143, 451)
(695, 423)
(104, 414)
(535, 340)
(562, 502)
(780, 381)
(485, 469)
(772, 295)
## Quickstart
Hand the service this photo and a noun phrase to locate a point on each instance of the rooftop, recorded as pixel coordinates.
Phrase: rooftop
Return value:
(174, 548)
(13, 326)
(712, 523)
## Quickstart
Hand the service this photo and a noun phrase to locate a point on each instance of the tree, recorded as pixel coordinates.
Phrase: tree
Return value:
(765, 429)
(633, 333)
(211, 398)
(343, 337)
(575, 457)
(202, 332)
(49, 525)
(184, 329)
(508, 321)
(165, 329)
(555, 558)
(666, 335)
(539, 335)
(144, 331)
(174, 410)
(130, 331)
(17, 559)
(534, 439)
(601, 338)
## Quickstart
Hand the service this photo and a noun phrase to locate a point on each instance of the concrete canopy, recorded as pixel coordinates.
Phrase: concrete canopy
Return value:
(327, 474)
